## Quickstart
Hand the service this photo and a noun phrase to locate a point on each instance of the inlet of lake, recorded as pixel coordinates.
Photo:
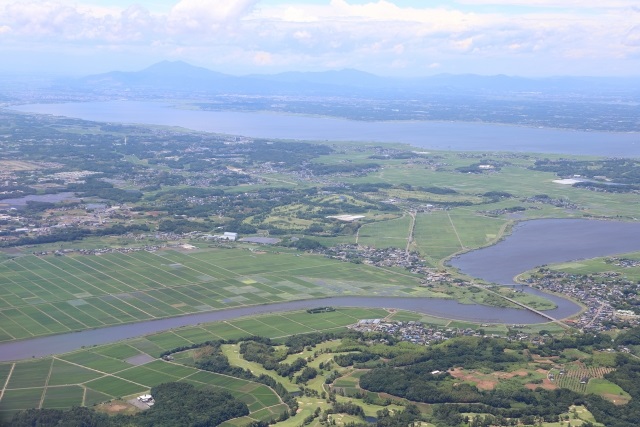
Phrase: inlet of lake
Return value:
(458, 136)
(532, 243)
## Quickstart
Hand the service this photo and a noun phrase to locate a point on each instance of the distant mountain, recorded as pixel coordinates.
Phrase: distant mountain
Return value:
(176, 75)
(347, 77)
(182, 78)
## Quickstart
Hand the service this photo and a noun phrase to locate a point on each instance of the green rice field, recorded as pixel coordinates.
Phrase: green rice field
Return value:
(386, 234)
(440, 234)
(129, 368)
(43, 295)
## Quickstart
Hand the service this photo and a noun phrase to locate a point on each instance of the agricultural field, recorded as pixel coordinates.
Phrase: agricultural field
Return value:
(43, 295)
(129, 368)
(441, 234)
(17, 165)
(385, 234)
(589, 379)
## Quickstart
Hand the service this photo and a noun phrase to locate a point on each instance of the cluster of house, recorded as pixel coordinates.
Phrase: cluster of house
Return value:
(100, 251)
(93, 216)
(624, 262)
(601, 293)
(415, 332)
(558, 203)
(386, 257)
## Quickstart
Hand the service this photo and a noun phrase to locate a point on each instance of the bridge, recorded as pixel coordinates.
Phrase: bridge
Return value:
(526, 307)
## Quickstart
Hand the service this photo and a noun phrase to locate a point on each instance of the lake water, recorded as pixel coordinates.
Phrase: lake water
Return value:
(428, 135)
(546, 241)
(20, 202)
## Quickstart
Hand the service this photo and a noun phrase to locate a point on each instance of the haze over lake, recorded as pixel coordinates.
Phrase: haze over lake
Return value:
(429, 135)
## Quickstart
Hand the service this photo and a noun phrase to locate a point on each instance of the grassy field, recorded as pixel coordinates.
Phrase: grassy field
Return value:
(385, 234)
(440, 234)
(54, 294)
(513, 178)
(129, 368)
(599, 265)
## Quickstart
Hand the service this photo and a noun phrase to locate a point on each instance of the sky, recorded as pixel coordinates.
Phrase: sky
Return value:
(533, 38)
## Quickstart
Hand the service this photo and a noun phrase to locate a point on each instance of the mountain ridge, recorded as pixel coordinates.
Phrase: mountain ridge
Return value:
(182, 76)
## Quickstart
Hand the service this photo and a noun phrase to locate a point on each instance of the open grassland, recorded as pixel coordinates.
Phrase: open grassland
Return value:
(55, 294)
(129, 368)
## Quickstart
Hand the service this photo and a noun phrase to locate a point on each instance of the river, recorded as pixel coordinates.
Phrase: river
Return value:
(429, 135)
(532, 243)
(56, 344)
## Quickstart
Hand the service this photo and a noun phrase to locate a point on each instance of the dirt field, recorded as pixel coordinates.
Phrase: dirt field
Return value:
(117, 407)
(17, 165)
(489, 381)
(483, 382)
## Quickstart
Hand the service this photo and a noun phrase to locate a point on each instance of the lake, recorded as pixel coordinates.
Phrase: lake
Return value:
(21, 202)
(547, 241)
(429, 135)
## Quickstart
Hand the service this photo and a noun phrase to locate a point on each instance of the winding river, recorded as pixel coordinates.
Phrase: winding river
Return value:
(532, 243)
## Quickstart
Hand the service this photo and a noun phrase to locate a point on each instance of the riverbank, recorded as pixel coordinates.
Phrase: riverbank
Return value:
(55, 344)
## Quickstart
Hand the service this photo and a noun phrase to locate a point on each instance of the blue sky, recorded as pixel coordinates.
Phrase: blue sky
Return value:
(385, 37)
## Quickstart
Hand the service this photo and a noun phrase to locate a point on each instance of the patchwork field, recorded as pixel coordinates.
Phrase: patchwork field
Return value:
(588, 379)
(129, 368)
(55, 294)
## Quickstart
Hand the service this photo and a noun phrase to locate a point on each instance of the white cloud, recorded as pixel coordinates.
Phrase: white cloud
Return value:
(263, 58)
(208, 15)
(377, 34)
(302, 35)
(562, 4)
(632, 38)
(398, 49)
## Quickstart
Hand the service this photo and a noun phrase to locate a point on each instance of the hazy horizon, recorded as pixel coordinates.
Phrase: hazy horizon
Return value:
(43, 73)
(395, 38)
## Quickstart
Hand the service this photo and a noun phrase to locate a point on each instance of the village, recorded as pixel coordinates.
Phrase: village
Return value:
(420, 333)
(610, 299)
(386, 257)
